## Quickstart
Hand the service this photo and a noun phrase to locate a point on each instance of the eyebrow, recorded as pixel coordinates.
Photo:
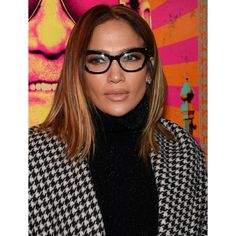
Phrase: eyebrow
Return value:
(117, 53)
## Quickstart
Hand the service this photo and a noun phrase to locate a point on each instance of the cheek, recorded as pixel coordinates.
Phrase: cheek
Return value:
(93, 87)
(138, 84)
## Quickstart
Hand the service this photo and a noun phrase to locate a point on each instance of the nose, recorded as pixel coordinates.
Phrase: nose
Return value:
(49, 30)
(115, 73)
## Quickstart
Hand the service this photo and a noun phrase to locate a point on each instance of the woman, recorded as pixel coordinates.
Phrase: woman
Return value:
(104, 162)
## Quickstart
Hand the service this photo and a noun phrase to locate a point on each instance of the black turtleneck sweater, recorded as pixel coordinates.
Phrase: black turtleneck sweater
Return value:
(125, 187)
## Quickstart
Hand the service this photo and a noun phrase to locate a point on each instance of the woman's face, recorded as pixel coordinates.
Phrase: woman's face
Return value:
(49, 30)
(116, 92)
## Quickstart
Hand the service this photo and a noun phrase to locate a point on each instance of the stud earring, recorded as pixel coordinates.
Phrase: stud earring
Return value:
(149, 80)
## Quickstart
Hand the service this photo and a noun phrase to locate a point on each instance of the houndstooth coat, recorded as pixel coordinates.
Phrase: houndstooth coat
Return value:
(62, 199)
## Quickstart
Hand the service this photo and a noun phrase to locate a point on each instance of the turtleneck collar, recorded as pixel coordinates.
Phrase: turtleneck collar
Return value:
(132, 121)
(125, 186)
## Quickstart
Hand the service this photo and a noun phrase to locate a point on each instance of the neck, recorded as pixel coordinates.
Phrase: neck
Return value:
(134, 120)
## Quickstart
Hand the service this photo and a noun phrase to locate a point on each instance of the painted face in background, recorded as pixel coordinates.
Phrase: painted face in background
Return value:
(115, 92)
(50, 24)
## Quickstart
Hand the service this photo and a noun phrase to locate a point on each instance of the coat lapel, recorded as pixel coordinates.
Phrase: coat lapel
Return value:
(160, 168)
(89, 211)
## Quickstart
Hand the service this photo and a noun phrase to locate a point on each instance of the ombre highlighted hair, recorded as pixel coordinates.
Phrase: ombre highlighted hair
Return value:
(69, 118)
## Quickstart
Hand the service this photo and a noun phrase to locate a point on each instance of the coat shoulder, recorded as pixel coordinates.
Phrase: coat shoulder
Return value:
(42, 144)
(181, 136)
(61, 196)
(182, 150)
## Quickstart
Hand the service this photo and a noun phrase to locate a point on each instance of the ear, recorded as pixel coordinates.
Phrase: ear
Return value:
(148, 78)
(152, 60)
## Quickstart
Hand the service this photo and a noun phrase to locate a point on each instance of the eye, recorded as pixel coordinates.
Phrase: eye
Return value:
(130, 57)
(96, 60)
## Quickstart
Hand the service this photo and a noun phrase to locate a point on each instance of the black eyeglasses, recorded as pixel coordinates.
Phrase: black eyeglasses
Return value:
(131, 60)
(33, 6)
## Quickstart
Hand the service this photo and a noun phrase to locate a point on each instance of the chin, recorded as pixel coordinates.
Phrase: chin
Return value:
(117, 111)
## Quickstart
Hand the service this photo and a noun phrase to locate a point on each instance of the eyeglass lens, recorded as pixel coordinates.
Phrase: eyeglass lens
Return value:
(33, 6)
(76, 8)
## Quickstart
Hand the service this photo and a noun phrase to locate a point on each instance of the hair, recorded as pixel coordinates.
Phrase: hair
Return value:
(70, 118)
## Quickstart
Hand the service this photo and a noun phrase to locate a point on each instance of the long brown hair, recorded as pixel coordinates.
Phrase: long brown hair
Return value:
(69, 118)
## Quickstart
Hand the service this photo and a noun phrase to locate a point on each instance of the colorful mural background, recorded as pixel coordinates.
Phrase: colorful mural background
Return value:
(179, 27)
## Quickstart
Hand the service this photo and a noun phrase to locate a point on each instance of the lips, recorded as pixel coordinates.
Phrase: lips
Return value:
(42, 86)
(117, 95)
(43, 73)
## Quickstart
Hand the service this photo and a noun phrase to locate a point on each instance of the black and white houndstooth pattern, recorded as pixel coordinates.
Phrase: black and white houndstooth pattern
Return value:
(62, 200)
(181, 179)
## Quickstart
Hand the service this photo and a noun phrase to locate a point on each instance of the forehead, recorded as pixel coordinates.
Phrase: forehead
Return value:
(114, 36)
